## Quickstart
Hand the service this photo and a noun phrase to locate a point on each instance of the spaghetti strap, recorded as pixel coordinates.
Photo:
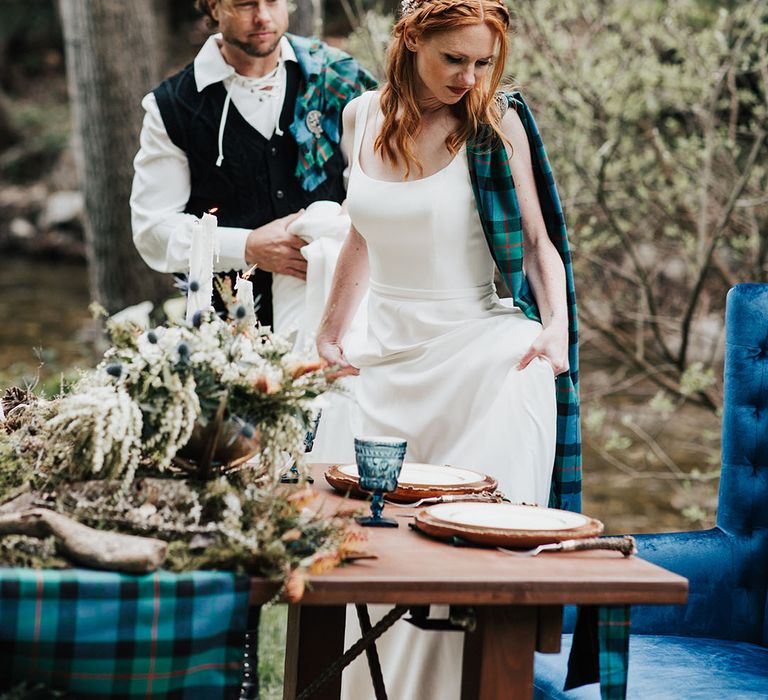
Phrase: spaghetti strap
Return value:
(361, 122)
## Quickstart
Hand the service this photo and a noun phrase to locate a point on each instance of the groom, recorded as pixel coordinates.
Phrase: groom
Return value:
(253, 128)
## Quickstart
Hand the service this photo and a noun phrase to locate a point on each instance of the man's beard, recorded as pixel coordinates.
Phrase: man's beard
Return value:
(245, 47)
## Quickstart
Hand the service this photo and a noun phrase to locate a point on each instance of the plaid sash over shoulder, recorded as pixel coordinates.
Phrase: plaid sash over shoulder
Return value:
(332, 78)
(97, 634)
(500, 214)
(600, 645)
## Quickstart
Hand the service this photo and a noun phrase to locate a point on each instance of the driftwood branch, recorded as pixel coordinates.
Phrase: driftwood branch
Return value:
(98, 549)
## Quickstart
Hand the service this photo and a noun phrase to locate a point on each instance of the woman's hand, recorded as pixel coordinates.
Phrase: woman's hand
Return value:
(332, 352)
(551, 345)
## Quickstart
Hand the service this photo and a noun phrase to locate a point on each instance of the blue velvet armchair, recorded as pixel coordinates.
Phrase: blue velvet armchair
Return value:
(715, 646)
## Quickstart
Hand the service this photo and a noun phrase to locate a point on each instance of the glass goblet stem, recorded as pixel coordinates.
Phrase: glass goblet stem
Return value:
(377, 504)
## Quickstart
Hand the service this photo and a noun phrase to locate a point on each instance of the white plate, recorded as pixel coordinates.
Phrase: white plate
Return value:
(507, 516)
(427, 474)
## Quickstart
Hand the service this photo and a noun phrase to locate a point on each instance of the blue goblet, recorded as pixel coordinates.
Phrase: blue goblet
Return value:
(379, 460)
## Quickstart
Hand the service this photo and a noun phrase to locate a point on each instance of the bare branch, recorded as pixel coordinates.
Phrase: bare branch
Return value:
(714, 240)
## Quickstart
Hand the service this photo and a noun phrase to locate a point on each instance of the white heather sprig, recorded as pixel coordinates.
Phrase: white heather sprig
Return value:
(103, 426)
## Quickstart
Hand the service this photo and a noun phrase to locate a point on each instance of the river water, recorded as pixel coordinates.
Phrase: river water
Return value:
(46, 329)
(44, 312)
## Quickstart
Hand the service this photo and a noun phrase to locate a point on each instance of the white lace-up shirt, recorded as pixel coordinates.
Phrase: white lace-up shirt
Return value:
(161, 183)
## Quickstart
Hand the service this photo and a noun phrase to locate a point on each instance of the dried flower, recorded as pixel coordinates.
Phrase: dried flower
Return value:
(302, 498)
(354, 543)
(295, 585)
(303, 368)
(291, 535)
(323, 562)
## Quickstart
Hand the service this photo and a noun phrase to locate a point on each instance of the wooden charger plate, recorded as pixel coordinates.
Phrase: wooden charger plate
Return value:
(416, 481)
(505, 524)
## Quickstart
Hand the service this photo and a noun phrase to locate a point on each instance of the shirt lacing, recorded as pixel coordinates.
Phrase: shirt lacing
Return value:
(270, 89)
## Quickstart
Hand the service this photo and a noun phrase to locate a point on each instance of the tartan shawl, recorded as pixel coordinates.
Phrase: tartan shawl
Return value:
(601, 640)
(500, 215)
(332, 79)
(100, 634)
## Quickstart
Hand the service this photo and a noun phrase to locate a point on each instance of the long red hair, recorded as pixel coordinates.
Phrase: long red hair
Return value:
(399, 106)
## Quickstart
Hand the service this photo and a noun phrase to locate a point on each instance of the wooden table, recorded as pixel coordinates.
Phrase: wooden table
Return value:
(518, 601)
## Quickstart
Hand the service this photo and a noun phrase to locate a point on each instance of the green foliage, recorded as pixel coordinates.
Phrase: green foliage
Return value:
(617, 442)
(29, 552)
(272, 633)
(696, 378)
(369, 39)
(662, 404)
(654, 114)
(44, 131)
(14, 472)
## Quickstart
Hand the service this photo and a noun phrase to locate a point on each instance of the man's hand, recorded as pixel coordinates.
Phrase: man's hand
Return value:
(273, 249)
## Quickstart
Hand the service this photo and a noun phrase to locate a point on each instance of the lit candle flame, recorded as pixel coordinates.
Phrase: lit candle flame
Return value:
(213, 210)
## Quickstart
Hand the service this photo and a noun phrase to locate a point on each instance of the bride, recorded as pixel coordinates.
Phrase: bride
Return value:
(443, 187)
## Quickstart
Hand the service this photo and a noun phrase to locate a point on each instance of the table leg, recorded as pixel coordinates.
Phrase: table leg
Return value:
(498, 655)
(315, 640)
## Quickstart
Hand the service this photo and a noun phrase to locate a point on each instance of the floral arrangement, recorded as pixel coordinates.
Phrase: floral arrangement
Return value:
(154, 388)
(182, 433)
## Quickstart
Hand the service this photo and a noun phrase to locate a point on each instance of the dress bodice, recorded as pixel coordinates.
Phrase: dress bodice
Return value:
(421, 234)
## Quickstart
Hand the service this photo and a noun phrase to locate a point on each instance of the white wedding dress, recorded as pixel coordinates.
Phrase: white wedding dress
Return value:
(439, 369)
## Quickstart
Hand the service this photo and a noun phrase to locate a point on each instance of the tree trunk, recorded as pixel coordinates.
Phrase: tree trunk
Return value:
(8, 134)
(112, 61)
(307, 18)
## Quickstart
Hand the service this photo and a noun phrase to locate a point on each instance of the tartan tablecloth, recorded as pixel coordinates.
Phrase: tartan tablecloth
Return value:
(180, 636)
(109, 635)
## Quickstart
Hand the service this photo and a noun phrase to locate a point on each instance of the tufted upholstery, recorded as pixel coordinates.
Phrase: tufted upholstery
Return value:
(670, 668)
(726, 618)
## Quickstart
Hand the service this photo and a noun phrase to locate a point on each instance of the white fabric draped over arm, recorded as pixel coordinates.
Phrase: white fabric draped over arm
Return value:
(298, 309)
(298, 306)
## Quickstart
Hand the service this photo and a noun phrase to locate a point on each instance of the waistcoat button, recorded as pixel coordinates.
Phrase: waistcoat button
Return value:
(279, 194)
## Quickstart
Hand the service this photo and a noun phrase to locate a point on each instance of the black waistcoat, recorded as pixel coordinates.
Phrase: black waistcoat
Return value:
(255, 183)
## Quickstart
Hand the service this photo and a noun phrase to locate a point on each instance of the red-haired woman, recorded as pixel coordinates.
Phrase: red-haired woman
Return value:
(466, 378)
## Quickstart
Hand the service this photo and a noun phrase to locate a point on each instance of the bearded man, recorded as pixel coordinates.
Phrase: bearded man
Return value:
(253, 128)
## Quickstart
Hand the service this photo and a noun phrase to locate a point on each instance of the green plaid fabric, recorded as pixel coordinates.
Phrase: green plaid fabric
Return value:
(601, 643)
(600, 650)
(613, 638)
(500, 214)
(332, 79)
(106, 635)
